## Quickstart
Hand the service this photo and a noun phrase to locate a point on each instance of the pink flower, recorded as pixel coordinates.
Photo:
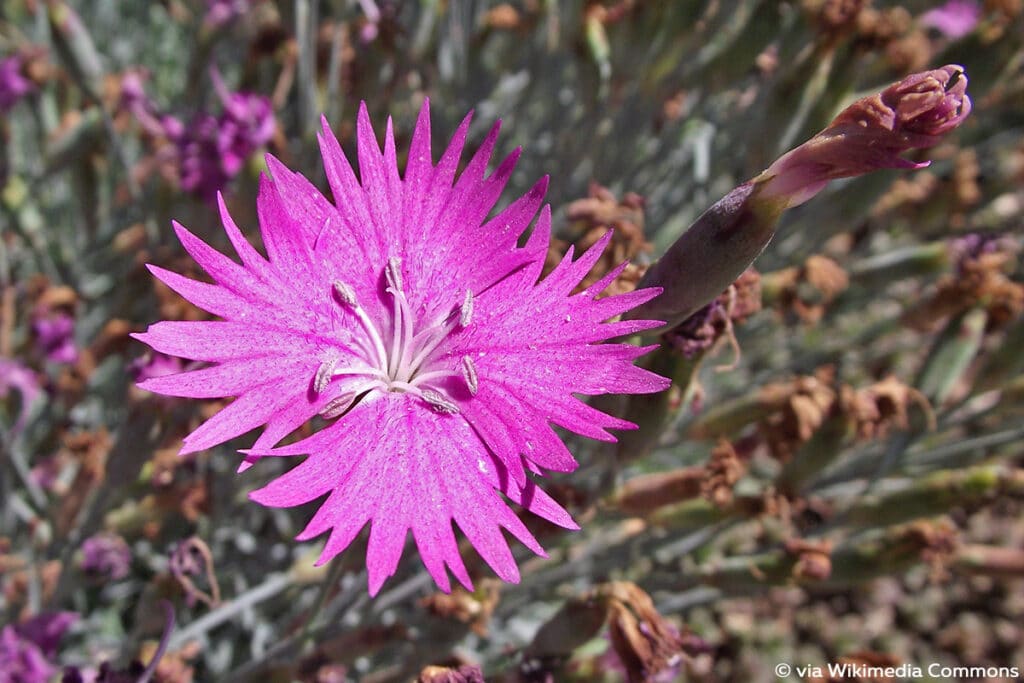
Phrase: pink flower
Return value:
(419, 330)
(14, 375)
(106, 556)
(28, 648)
(13, 83)
(210, 150)
(55, 336)
(954, 19)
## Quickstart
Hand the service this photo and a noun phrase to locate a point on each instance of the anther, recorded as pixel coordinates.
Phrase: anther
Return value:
(393, 274)
(324, 373)
(337, 405)
(439, 402)
(344, 292)
(466, 314)
(469, 375)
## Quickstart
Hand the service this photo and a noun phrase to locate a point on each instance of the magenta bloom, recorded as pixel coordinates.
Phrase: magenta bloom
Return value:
(416, 327)
(27, 649)
(107, 556)
(14, 375)
(55, 336)
(13, 84)
(954, 18)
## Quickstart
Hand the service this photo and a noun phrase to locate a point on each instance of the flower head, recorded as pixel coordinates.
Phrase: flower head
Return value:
(13, 83)
(55, 334)
(14, 375)
(210, 150)
(420, 330)
(954, 19)
(26, 649)
(107, 556)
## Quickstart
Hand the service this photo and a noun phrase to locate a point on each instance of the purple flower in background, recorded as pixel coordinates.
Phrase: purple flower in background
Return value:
(245, 126)
(423, 332)
(954, 19)
(209, 150)
(199, 159)
(27, 648)
(14, 375)
(55, 334)
(154, 365)
(106, 556)
(212, 150)
(222, 12)
(13, 84)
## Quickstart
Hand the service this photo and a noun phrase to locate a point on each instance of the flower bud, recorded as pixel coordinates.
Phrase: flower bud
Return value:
(869, 135)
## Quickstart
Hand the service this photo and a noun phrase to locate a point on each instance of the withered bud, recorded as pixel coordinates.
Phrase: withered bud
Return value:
(474, 609)
(871, 133)
(807, 290)
(705, 327)
(648, 492)
(646, 643)
(724, 469)
(813, 559)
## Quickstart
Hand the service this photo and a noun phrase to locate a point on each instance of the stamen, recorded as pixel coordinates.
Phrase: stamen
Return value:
(466, 314)
(425, 377)
(324, 373)
(393, 273)
(371, 330)
(402, 321)
(469, 375)
(439, 402)
(345, 293)
(337, 405)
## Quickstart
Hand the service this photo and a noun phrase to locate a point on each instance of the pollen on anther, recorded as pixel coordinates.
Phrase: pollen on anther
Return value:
(466, 313)
(393, 273)
(323, 375)
(336, 406)
(439, 402)
(344, 292)
(469, 375)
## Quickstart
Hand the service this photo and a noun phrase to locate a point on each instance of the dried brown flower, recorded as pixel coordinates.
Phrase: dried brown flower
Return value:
(879, 408)
(723, 470)
(646, 643)
(813, 559)
(982, 278)
(648, 492)
(590, 219)
(803, 404)
(807, 290)
(473, 608)
(90, 450)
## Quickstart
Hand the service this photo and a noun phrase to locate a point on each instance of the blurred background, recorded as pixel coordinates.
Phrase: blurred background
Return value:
(836, 475)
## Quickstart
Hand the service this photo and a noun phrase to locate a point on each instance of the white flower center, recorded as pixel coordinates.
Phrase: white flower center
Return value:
(396, 356)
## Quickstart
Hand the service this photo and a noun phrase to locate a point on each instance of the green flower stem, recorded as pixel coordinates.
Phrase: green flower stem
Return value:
(652, 413)
(936, 494)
